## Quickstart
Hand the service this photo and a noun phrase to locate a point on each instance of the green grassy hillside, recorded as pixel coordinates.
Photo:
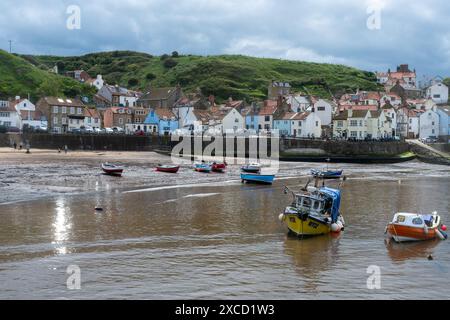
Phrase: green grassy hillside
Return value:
(19, 78)
(241, 77)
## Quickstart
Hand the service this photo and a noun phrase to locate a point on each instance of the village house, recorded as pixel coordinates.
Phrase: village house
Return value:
(63, 114)
(164, 119)
(391, 113)
(203, 119)
(160, 97)
(278, 88)
(299, 102)
(324, 109)
(116, 96)
(266, 115)
(79, 75)
(362, 124)
(9, 116)
(408, 122)
(117, 117)
(438, 92)
(250, 115)
(92, 118)
(390, 98)
(428, 124)
(444, 123)
(306, 125)
(97, 82)
(228, 120)
(28, 115)
(284, 122)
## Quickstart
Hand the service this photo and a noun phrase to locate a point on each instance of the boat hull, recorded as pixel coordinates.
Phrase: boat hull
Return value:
(257, 178)
(218, 167)
(327, 174)
(112, 171)
(308, 227)
(402, 233)
(250, 169)
(168, 169)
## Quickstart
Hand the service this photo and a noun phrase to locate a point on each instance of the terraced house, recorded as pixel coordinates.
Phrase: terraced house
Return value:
(362, 124)
(62, 114)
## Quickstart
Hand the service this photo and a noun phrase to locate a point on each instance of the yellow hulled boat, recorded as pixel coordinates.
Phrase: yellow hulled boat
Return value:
(314, 211)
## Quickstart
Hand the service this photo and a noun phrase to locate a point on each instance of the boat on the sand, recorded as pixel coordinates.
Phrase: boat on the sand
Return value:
(167, 168)
(257, 178)
(112, 169)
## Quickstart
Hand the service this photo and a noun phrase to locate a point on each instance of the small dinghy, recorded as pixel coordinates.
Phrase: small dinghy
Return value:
(202, 167)
(327, 174)
(167, 168)
(416, 227)
(251, 168)
(112, 169)
(257, 178)
(218, 166)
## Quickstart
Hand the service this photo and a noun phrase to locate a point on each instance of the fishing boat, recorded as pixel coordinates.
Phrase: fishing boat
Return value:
(218, 166)
(112, 169)
(257, 178)
(314, 211)
(202, 167)
(167, 168)
(252, 168)
(416, 227)
(327, 174)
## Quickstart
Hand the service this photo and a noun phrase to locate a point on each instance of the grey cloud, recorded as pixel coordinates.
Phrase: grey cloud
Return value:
(411, 32)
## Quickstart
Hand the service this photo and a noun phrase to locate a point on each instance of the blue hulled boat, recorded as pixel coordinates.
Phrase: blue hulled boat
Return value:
(257, 178)
(327, 174)
(202, 167)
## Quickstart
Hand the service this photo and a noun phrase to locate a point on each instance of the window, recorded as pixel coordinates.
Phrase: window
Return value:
(299, 123)
(353, 134)
(320, 108)
(285, 122)
(72, 110)
(417, 221)
(353, 123)
(4, 114)
(7, 123)
(64, 110)
(55, 120)
(360, 123)
(267, 118)
(64, 120)
(120, 120)
(432, 131)
(432, 123)
(80, 110)
(317, 123)
(236, 120)
(340, 124)
(55, 109)
(436, 95)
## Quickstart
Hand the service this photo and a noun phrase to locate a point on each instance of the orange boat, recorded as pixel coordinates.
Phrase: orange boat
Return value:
(416, 227)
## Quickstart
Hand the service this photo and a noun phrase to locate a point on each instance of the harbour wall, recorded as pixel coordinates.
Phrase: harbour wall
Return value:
(287, 147)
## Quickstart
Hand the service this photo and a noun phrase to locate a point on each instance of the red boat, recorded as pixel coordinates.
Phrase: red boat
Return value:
(112, 169)
(218, 166)
(167, 168)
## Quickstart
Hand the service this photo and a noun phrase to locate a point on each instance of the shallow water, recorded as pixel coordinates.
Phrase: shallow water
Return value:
(191, 235)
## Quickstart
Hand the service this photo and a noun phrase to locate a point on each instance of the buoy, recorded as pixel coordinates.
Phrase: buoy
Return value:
(281, 217)
(444, 227)
(430, 257)
(335, 227)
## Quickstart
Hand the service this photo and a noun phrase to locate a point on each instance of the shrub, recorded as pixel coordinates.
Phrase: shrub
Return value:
(170, 63)
(175, 54)
(150, 76)
(133, 82)
(164, 56)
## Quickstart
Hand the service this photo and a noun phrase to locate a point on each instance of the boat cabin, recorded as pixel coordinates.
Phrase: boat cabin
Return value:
(417, 220)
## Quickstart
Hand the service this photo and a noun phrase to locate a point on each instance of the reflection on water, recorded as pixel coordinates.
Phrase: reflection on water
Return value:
(62, 225)
(220, 240)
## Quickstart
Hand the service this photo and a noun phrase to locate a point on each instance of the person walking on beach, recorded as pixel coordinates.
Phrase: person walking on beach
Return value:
(15, 145)
(65, 148)
(20, 146)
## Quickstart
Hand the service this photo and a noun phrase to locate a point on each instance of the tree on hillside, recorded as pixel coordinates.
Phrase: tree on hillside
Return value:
(150, 76)
(164, 56)
(133, 82)
(175, 54)
(49, 87)
(170, 63)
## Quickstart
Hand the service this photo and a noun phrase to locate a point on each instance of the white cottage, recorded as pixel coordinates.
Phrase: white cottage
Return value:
(429, 124)
(438, 92)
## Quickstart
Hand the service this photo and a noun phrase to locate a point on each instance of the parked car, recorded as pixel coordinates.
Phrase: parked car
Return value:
(98, 130)
(139, 133)
(109, 130)
(75, 131)
(13, 129)
(118, 130)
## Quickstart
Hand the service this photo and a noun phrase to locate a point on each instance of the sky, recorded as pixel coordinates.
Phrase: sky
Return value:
(372, 35)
